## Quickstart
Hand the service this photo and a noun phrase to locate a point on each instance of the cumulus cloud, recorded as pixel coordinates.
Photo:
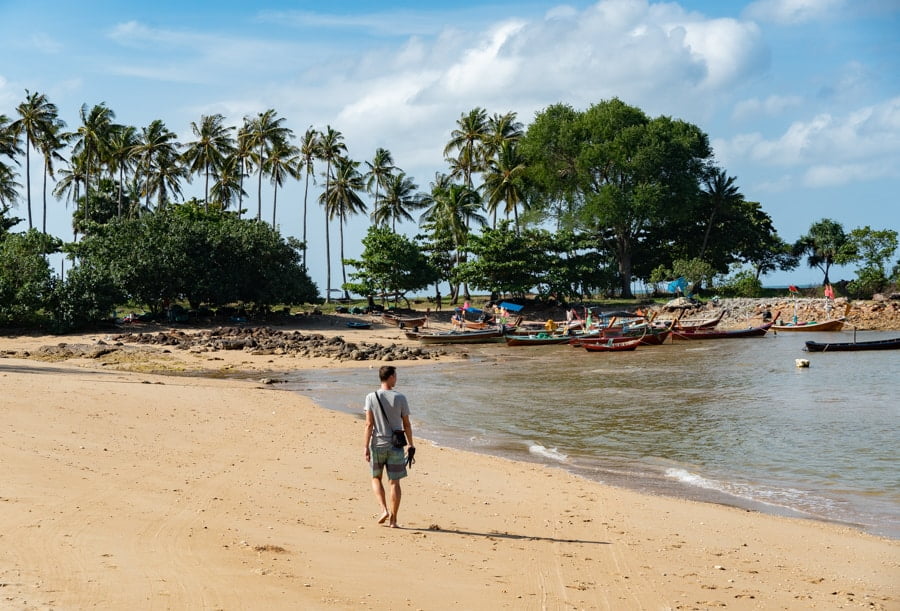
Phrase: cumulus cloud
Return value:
(860, 145)
(791, 12)
(770, 106)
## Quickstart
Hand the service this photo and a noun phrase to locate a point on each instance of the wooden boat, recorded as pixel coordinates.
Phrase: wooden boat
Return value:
(461, 337)
(539, 339)
(721, 333)
(611, 345)
(877, 344)
(359, 325)
(399, 321)
(835, 324)
(693, 323)
(653, 337)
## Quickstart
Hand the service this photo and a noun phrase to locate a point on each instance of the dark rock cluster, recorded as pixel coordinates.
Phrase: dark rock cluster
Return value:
(265, 340)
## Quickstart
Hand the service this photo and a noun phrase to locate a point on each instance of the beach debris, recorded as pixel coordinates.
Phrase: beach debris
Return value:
(801, 362)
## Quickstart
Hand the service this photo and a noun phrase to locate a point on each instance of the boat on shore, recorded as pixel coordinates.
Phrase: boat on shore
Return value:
(611, 345)
(538, 339)
(757, 331)
(482, 336)
(835, 324)
(402, 322)
(877, 344)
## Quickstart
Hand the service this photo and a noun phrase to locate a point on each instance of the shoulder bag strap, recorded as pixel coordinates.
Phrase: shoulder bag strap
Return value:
(383, 413)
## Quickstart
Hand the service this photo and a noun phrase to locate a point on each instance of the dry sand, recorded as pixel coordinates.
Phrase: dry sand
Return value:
(131, 490)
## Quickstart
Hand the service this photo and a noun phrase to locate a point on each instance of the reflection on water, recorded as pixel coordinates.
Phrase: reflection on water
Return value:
(730, 421)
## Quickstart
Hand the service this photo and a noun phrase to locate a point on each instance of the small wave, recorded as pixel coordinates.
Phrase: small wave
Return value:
(551, 453)
(692, 479)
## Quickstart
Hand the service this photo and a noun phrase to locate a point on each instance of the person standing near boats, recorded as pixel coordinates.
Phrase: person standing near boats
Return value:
(385, 408)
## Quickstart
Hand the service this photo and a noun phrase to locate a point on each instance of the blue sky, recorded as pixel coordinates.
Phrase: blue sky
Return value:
(800, 98)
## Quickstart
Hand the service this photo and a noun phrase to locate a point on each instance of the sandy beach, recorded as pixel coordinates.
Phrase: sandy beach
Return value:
(126, 489)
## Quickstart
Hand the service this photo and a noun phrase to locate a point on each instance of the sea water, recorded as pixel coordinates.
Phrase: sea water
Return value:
(731, 421)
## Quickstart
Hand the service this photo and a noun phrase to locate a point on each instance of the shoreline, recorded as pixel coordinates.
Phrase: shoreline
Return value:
(653, 479)
(136, 490)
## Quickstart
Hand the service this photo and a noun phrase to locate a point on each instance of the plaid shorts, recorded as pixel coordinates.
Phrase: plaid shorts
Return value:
(393, 458)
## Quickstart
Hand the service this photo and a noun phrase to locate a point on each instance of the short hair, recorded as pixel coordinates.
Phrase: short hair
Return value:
(386, 372)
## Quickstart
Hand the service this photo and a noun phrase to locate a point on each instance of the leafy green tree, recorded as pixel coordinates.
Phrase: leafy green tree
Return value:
(744, 283)
(503, 261)
(874, 247)
(25, 276)
(391, 264)
(85, 297)
(187, 252)
(619, 172)
(824, 245)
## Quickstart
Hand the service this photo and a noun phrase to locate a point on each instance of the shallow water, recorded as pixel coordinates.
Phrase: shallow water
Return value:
(730, 421)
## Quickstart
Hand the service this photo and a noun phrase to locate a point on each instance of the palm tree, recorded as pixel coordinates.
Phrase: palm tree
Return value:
(721, 195)
(213, 144)
(281, 164)
(36, 117)
(309, 150)
(53, 140)
(342, 200)
(227, 185)
(380, 168)
(466, 140)
(124, 155)
(400, 196)
(264, 131)
(9, 143)
(244, 154)
(157, 150)
(331, 148)
(503, 181)
(9, 188)
(451, 209)
(92, 141)
(500, 129)
(71, 180)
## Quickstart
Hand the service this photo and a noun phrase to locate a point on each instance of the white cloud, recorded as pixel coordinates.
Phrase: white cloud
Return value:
(862, 145)
(788, 12)
(46, 44)
(771, 106)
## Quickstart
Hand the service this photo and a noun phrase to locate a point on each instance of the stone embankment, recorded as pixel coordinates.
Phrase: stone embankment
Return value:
(874, 315)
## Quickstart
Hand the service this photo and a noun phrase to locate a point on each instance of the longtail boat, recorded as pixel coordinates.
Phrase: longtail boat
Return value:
(399, 321)
(482, 336)
(653, 337)
(877, 344)
(612, 346)
(692, 323)
(835, 324)
(539, 339)
(758, 331)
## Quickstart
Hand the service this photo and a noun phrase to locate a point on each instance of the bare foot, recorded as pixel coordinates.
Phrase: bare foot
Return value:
(394, 524)
(384, 517)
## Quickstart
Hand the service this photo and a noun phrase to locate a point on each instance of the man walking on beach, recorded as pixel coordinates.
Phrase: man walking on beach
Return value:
(385, 410)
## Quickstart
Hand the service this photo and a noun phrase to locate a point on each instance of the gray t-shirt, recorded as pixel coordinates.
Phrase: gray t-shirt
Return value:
(395, 406)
